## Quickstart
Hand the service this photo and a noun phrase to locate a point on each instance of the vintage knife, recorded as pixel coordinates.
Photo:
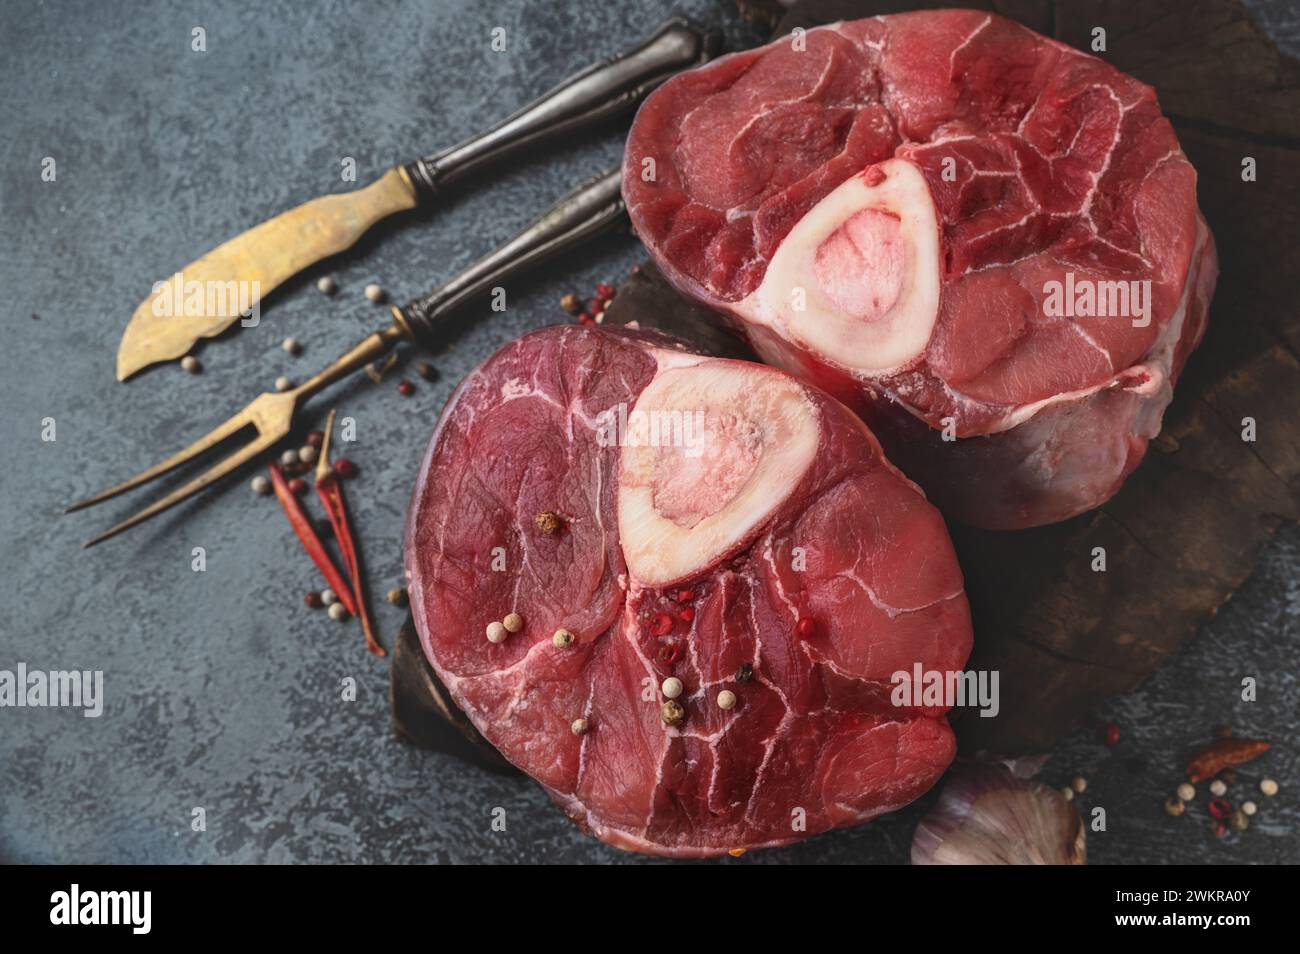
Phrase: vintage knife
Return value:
(248, 267)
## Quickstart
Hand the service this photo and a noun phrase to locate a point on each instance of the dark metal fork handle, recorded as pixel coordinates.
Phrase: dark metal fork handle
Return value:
(588, 210)
(599, 92)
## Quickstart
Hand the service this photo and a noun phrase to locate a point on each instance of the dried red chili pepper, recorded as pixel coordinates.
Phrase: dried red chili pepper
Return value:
(1217, 756)
(302, 526)
(330, 491)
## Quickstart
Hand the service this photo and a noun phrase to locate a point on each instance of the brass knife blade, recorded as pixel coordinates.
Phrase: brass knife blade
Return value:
(217, 290)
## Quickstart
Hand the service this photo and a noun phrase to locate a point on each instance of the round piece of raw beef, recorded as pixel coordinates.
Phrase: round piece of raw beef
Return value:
(647, 514)
(984, 241)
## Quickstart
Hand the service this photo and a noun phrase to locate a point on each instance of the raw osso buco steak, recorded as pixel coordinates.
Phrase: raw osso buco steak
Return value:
(603, 511)
(984, 241)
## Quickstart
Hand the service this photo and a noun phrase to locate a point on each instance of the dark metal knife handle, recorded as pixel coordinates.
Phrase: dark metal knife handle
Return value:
(601, 91)
(592, 208)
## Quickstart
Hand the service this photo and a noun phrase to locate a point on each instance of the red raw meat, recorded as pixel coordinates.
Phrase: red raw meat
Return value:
(788, 513)
(880, 205)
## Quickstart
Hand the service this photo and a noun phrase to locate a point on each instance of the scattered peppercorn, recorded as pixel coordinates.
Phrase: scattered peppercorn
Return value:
(671, 713)
(726, 699)
(671, 688)
(1175, 806)
(345, 468)
(571, 303)
(1112, 734)
(289, 458)
(312, 599)
(427, 371)
(374, 292)
(260, 485)
(283, 384)
(327, 284)
(338, 611)
(579, 727)
(496, 632)
(1067, 793)
(1249, 808)
(548, 522)
(1239, 821)
(191, 364)
(405, 388)
(397, 596)
(315, 438)
(562, 638)
(291, 346)
(604, 290)
(1217, 787)
(327, 596)
(1186, 792)
(513, 622)
(1268, 787)
(307, 454)
(745, 672)
(298, 486)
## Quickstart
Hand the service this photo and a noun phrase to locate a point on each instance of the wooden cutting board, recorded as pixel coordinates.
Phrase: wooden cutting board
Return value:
(1190, 523)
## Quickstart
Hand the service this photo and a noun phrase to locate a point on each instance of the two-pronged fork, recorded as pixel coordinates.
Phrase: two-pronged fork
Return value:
(587, 211)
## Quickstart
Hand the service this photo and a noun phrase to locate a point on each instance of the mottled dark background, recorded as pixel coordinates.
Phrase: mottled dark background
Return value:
(223, 690)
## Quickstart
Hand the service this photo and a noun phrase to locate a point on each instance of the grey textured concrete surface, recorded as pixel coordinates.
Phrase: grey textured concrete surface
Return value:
(222, 690)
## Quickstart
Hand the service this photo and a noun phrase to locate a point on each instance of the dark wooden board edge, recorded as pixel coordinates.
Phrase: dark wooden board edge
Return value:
(424, 714)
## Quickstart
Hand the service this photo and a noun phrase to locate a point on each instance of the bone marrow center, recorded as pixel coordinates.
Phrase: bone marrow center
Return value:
(861, 265)
(749, 434)
(695, 482)
(857, 278)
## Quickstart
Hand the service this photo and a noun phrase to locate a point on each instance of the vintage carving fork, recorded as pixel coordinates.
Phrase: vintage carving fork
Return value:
(589, 210)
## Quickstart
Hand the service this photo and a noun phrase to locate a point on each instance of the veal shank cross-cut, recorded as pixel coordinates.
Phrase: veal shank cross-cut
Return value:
(885, 207)
(769, 558)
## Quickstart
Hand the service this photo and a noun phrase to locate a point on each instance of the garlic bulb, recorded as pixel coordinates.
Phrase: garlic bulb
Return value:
(987, 816)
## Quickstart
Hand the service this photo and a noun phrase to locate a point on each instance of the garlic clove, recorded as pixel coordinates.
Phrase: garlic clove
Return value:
(987, 816)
